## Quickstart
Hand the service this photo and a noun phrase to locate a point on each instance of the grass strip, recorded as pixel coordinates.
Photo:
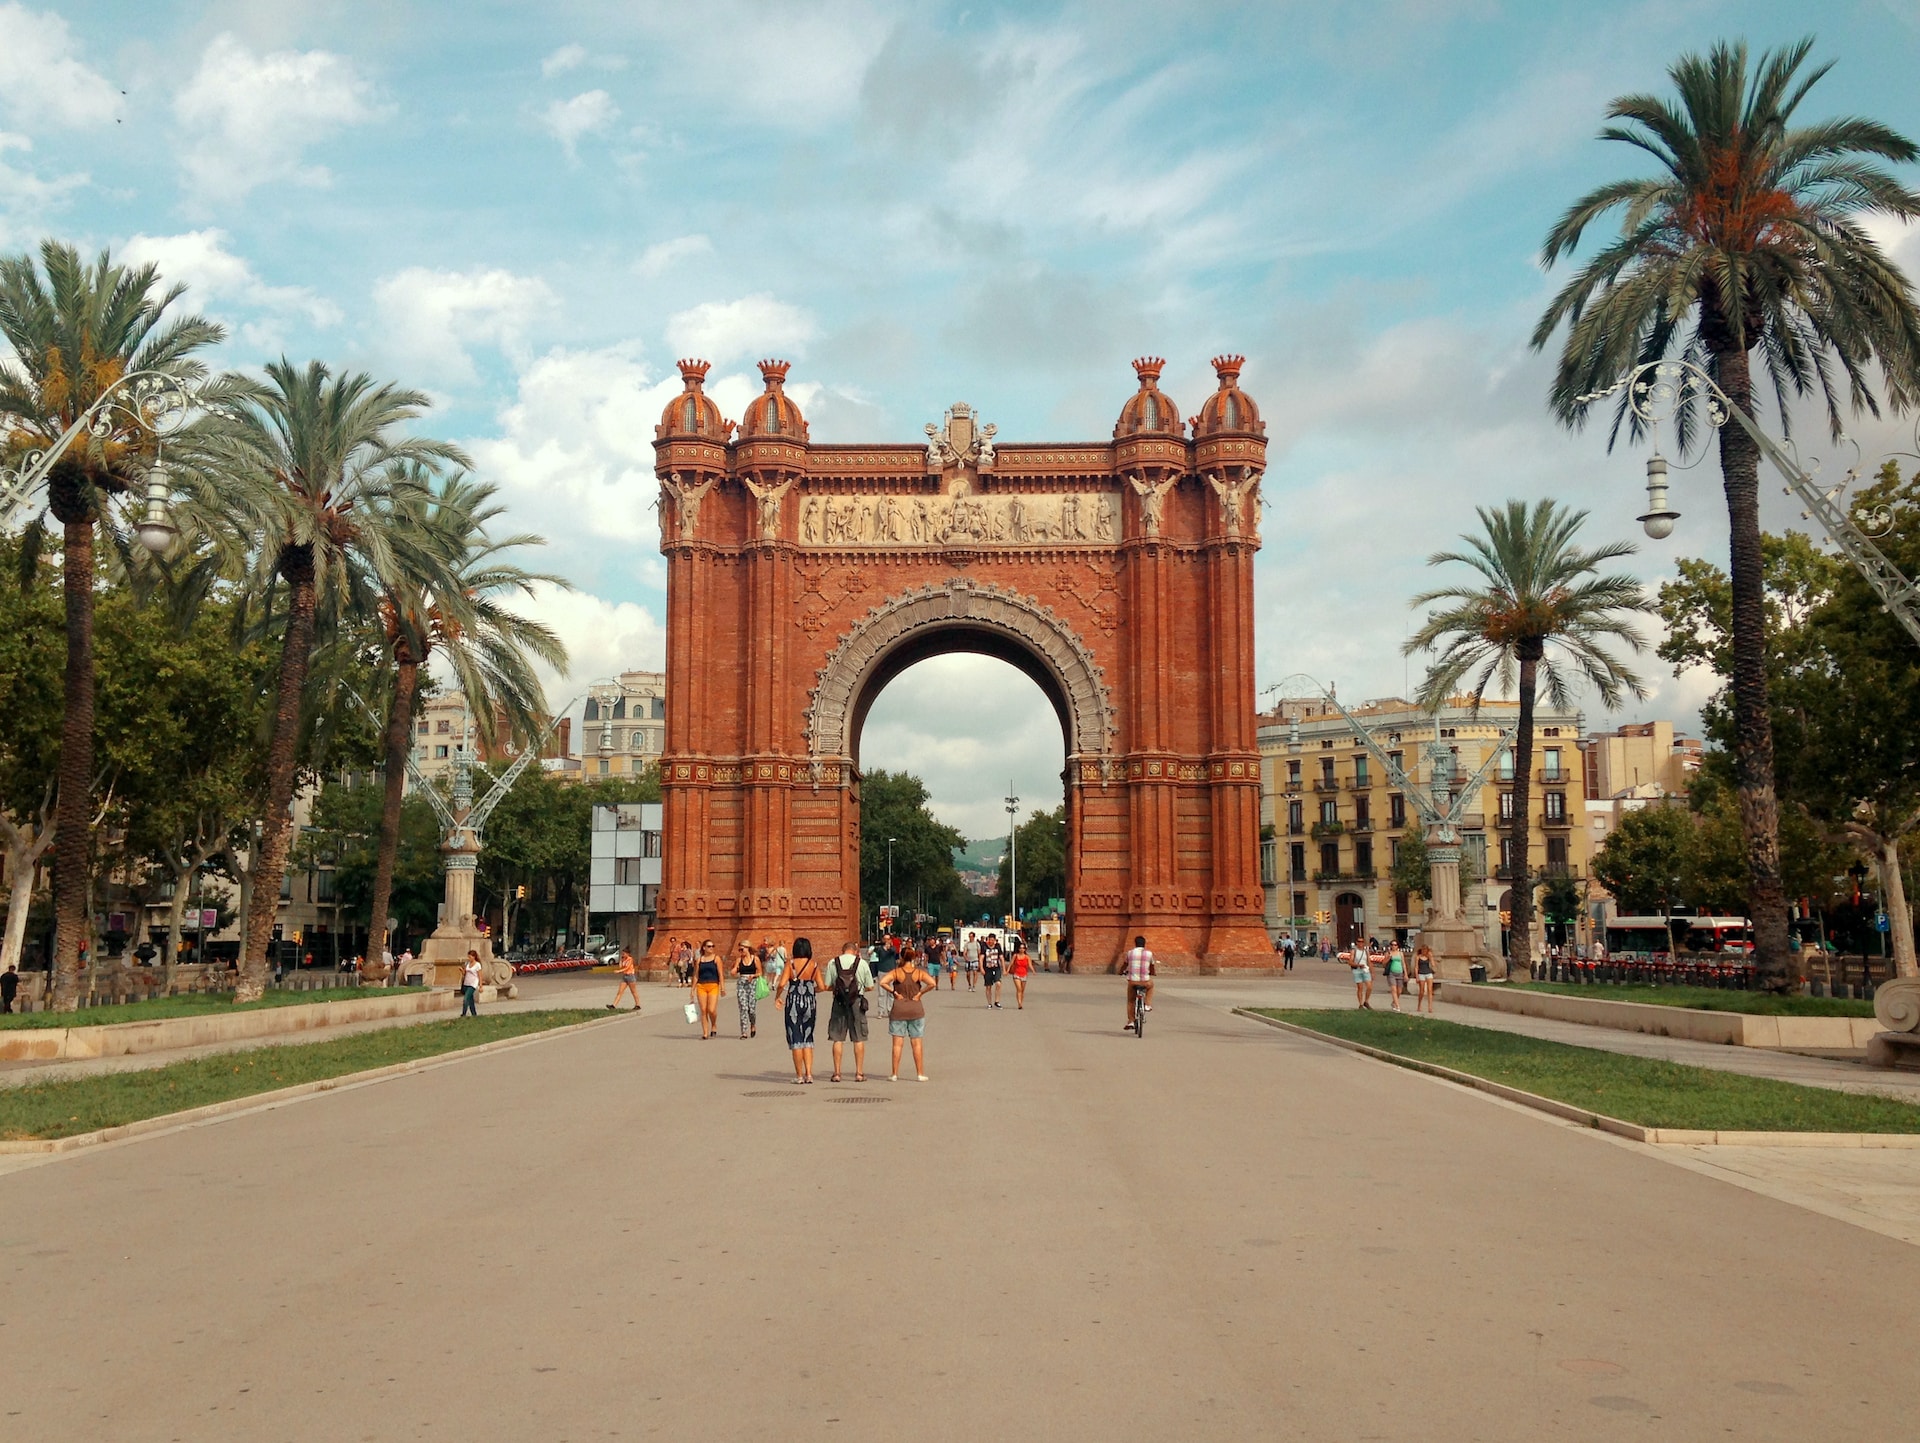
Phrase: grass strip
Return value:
(85, 1104)
(1642, 1090)
(185, 1004)
(1708, 999)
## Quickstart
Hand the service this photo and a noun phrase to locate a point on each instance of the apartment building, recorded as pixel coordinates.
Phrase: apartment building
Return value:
(624, 733)
(1336, 825)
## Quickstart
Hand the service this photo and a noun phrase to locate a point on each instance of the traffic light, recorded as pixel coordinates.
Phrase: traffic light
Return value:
(520, 893)
(1506, 918)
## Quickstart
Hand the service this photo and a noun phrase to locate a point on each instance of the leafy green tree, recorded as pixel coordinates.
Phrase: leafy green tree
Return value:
(311, 457)
(540, 838)
(72, 331)
(1043, 862)
(894, 804)
(1645, 861)
(448, 593)
(32, 660)
(344, 828)
(1749, 238)
(1541, 612)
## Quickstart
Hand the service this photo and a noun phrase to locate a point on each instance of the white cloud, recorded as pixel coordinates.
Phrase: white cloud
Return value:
(603, 638)
(567, 57)
(42, 79)
(574, 453)
(200, 260)
(25, 197)
(432, 317)
(721, 331)
(666, 254)
(589, 113)
(248, 118)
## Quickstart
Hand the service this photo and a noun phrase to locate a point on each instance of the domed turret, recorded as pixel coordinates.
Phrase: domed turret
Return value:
(1228, 409)
(692, 414)
(774, 414)
(1149, 411)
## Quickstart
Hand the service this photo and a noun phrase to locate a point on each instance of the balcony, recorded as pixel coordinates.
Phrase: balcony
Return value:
(1326, 784)
(1328, 829)
(1558, 777)
(1559, 823)
(1344, 876)
(1360, 784)
(1363, 824)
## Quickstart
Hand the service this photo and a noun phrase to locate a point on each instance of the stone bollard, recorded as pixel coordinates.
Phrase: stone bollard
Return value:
(1896, 1007)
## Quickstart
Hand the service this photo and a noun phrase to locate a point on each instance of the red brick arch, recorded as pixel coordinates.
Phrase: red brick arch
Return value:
(801, 578)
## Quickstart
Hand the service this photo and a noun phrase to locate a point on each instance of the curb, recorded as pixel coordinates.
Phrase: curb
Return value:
(213, 1110)
(1599, 1121)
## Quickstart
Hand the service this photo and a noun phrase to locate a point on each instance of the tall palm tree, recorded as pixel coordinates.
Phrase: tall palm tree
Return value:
(447, 592)
(319, 450)
(1748, 238)
(75, 330)
(1540, 613)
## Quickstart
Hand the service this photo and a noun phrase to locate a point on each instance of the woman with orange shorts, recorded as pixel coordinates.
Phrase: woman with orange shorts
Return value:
(708, 989)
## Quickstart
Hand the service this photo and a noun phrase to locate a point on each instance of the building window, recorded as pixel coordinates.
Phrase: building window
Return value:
(1360, 771)
(1329, 812)
(1297, 856)
(1293, 776)
(324, 889)
(1506, 806)
(605, 766)
(1447, 733)
(425, 726)
(1327, 744)
(657, 708)
(1299, 904)
(440, 753)
(1556, 806)
(1550, 732)
(1330, 858)
(1363, 811)
(1393, 853)
(1550, 770)
(1400, 903)
(1506, 854)
(1326, 772)
(1506, 765)
(1363, 858)
(1397, 810)
(443, 728)
(1296, 817)
(649, 844)
(1557, 853)
(619, 712)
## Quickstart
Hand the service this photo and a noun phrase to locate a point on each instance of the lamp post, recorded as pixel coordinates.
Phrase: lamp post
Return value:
(1657, 390)
(890, 842)
(1013, 854)
(154, 402)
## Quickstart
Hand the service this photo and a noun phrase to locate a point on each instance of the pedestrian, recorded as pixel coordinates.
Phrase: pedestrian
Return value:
(708, 989)
(774, 955)
(746, 985)
(1139, 965)
(991, 963)
(9, 987)
(470, 985)
(1286, 953)
(1423, 978)
(1020, 967)
(909, 983)
(849, 979)
(1362, 974)
(629, 982)
(406, 966)
(1396, 973)
(386, 961)
(799, 993)
(1066, 954)
(971, 954)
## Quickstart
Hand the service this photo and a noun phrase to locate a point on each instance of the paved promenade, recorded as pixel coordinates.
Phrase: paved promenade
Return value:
(1221, 1231)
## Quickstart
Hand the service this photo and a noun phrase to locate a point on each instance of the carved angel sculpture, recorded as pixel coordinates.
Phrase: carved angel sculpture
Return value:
(767, 499)
(1152, 498)
(687, 501)
(1232, 494)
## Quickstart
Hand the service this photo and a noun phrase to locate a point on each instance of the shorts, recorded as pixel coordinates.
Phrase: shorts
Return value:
(846, 1024)
(629, 979)
(972, 965)
(1361, 974)
(708, 989)
(1425, 973)
(912, 1027)
(992, 975)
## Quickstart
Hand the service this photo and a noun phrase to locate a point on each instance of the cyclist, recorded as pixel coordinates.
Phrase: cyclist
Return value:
(1138, 964)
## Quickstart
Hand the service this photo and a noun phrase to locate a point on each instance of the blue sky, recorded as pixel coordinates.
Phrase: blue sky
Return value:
(532, 210)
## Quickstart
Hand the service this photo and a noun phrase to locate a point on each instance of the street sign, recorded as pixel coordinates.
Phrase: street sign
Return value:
(1880, 922)
(209, 918)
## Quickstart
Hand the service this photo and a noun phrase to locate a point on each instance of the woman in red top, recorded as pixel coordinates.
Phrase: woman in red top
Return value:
(1019, 968)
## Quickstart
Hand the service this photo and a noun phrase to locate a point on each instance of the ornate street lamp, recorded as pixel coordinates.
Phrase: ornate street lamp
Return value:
(1659, 390)
(152, 401)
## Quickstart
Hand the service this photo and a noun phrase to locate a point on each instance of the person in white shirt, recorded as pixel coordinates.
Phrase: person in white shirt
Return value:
(470, 986)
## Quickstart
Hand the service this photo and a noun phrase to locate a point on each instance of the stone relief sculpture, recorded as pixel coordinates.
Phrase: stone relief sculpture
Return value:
(767, 505)
(1074, 519)
(687, 501)
(1233, 495)
(1153, 497)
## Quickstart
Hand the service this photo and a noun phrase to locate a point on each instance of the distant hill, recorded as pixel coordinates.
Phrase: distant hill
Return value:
(981, 856)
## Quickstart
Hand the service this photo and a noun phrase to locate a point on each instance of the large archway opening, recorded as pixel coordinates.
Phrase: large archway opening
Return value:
(944, 731)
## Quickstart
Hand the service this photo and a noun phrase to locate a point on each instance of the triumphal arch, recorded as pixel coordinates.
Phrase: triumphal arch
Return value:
(802, 577)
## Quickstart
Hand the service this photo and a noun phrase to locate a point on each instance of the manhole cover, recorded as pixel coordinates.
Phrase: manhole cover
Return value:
(782, 1092)
(859, 1099)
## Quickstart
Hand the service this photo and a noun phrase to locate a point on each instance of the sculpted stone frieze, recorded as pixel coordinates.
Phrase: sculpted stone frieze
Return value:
(1043, 519)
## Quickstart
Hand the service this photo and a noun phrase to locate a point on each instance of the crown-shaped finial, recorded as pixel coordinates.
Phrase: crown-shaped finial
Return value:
(1148, 368)
(775, 373)
(1228, 369)
(694, 373)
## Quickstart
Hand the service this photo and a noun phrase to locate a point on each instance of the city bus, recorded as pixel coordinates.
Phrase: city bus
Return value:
(1647, 936)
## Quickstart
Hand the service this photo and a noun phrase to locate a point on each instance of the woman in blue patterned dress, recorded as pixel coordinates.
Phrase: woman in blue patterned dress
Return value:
(798, 986)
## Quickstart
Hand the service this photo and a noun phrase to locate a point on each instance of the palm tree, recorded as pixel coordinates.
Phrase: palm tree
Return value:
(319, 451)
(1747, 239)
(75, 330)
(446, 593)
(1538, 594)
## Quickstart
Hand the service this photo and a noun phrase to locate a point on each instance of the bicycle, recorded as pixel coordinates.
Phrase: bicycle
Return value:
(1139, 1008)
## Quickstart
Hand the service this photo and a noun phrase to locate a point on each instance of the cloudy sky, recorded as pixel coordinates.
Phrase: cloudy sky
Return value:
(531, 210)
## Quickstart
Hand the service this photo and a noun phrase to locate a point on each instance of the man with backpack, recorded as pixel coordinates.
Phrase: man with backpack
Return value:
(849, 979)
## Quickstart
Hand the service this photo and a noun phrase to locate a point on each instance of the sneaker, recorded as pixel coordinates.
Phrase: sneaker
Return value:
(923, 1077)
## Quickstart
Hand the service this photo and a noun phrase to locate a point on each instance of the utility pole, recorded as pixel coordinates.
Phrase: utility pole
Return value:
(1013, 854)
